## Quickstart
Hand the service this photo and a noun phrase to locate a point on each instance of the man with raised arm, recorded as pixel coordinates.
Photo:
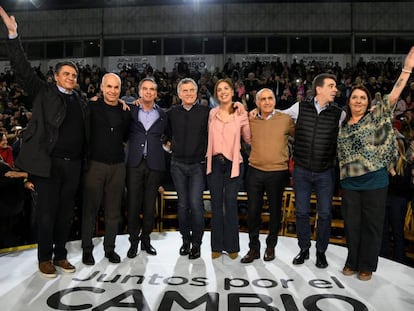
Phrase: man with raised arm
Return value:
(52, 150)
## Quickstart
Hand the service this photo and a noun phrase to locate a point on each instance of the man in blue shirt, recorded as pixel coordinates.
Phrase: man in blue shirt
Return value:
(145, 165)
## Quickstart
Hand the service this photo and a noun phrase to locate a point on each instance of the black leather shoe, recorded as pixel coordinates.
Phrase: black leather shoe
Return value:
(132, 252)
(321, 260)
(185, 249)
(195, 252)
(148, 248)
(301, 257)
(250, 256)
(87, 258)
(113, 257)
(269, 254)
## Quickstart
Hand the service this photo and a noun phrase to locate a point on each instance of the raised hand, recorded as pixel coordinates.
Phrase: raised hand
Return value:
(403, 78)
(409, 60)
(9, 22)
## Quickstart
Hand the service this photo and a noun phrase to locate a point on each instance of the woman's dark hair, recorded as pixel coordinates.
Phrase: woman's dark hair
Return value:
(348, 110)
(226, 80)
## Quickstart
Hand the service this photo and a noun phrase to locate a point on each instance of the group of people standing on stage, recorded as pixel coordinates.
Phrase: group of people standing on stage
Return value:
(125, 146)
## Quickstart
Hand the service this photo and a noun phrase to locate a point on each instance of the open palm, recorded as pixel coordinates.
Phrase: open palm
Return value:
(9, 21)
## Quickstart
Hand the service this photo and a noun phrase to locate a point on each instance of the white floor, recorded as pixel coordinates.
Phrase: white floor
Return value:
(172, 282)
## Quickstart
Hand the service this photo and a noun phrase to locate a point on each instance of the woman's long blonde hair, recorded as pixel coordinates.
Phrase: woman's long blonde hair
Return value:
(402, 159)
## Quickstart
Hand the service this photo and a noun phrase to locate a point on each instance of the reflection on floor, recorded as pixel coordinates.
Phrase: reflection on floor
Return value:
(172, 282)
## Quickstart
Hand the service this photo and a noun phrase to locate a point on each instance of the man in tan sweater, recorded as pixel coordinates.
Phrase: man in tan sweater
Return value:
(268, 171)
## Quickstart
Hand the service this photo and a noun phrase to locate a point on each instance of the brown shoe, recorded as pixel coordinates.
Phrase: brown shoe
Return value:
(215, 255)
(47, 269)
(269, 254)
(347, 271)
(250, 256)
(65, 265)
(233, 255)
(364, 275)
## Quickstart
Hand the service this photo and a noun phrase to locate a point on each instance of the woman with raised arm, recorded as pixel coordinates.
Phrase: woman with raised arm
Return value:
(366, 148)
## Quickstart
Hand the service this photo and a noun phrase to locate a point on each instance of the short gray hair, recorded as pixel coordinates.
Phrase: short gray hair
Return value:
(186, 81)
(265, 89)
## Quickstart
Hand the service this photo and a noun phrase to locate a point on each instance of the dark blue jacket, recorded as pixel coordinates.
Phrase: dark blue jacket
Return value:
(154, 136)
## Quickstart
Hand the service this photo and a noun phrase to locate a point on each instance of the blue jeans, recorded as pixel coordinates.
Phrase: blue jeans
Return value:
(189, 182)
(225, 219)
(322, 183)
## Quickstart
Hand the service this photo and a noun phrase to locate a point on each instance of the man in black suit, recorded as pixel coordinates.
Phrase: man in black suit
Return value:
(104, 180)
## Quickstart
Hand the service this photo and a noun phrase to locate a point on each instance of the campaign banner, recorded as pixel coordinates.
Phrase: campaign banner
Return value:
(117, 63)
(396, 59)
(201, 61)
(247, 59)
(323, 59)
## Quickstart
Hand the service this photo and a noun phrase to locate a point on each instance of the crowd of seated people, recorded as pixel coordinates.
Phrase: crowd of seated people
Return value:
(290, 83)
